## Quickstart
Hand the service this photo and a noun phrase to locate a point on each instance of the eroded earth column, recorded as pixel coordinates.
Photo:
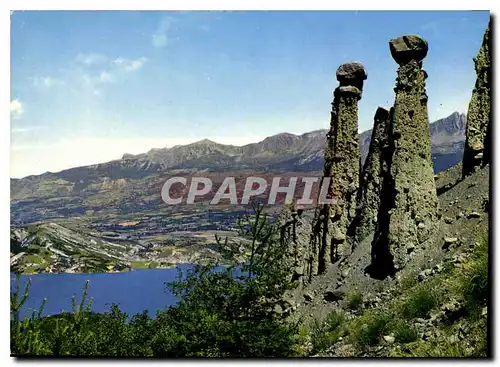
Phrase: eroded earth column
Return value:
(342, 160)
(372, 175)
(415, 212)
(477, 144)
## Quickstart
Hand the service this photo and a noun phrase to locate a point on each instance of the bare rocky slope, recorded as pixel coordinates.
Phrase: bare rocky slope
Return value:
(353, 297)
(465, 209)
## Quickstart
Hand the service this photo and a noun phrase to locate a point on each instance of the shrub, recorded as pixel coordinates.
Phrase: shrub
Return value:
(322, 340)
(333, 320)
(448, 269)
(474, 285)
(420, 301)
(26, 337)
(474, 345)
(404, 332)
(326, 334)
(408, 281)
(354, 300)
(370, 327)
(302, 343)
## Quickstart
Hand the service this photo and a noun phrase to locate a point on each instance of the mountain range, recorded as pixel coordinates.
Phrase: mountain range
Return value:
(133, 177)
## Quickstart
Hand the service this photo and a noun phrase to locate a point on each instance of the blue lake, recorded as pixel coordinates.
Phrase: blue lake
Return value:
(133, 291)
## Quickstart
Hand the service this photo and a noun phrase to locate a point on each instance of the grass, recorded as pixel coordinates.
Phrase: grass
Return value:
(420, 300)
(32, 229)
(474, 286)
(139, 264)
(153, 265)
(39, 261)
(300, 348)
(474, 345)
(408, 281)
(144, 264)
(370, 327)
(33, 258)
(468, 285)
(354, 300)
(166, 251)
(334, 320)
(404, 332)
(447, 269)
(326, 334)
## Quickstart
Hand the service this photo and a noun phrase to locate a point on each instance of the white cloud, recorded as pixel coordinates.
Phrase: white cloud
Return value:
(106, 77)
(160, 38)
(46, 82)
(91, 59)
(111, 70)
(122, 63)
(16, 109)
(18, 130)
(91, 83)
(129, 64)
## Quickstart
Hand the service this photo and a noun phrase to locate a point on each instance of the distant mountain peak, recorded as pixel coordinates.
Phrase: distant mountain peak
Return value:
(285, 134)
(457, 114)
(128, 156)
(451, 125)
(280, 151)
(203, 142)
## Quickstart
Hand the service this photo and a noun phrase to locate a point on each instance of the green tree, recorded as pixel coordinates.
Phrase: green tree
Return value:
(232, 311)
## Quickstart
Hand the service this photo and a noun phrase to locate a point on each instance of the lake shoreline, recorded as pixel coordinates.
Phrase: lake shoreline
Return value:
(100, 272)
(127, 269)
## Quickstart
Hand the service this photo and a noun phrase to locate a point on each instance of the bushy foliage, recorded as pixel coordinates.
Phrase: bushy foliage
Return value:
(474, 286)
(354, 300)
(370, 327)
(25, 335)
(326, 334)
(420, 300)
(469, 285)
(408, 281)
(448, 345)
(221, 313)
(404, 332)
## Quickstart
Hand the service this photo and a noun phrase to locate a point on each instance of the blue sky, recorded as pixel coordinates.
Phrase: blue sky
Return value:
(87, 87)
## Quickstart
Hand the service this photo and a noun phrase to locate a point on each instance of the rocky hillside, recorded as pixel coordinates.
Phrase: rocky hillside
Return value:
(346, 313)
(398, 266)
(447, 141)
(51, 247)
(55, 248)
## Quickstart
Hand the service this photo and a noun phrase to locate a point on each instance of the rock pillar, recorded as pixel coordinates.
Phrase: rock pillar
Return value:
(477, 140)
(376, 166)
(342, 159)
(415, 212)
